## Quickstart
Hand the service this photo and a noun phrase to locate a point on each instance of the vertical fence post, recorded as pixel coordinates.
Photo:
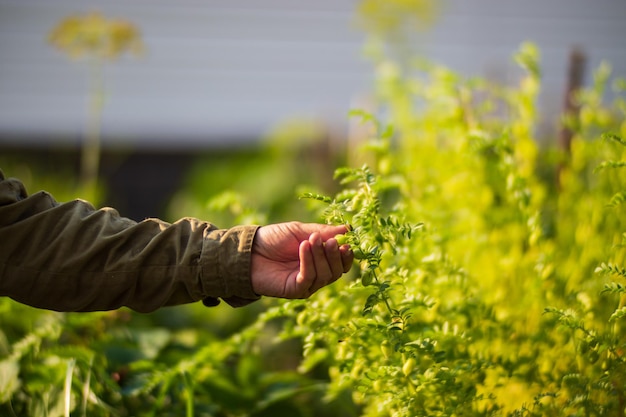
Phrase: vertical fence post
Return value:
(575, 74)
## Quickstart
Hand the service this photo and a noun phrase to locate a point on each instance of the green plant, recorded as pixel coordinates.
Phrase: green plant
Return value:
(599, 390)
(96, 39)
(489, 280)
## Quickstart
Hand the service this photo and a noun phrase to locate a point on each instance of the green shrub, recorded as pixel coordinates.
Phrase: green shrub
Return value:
(489, 279)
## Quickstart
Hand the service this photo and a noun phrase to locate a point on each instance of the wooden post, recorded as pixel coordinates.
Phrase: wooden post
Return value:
(575, 74)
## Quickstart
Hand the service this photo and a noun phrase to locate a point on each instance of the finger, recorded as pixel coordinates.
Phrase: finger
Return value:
(333, 256)
(328, 232)
(325, 231)
(306, 276)
(323, 274)
(347, 257)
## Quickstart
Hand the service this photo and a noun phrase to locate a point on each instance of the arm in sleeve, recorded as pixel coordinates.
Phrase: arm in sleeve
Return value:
(71, 257)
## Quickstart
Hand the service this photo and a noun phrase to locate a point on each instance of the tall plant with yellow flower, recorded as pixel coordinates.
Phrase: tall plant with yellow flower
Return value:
(97, 40)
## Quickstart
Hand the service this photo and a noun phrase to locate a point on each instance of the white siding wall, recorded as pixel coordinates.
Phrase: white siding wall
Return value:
(227, 70)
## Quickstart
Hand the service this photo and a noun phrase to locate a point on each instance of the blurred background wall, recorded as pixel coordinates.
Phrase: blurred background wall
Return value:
(222, 73)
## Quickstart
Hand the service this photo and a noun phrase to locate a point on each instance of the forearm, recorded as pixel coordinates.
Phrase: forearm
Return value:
(70, 257)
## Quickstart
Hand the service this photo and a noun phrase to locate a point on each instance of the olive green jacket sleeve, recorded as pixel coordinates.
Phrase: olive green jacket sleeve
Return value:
(71, 257)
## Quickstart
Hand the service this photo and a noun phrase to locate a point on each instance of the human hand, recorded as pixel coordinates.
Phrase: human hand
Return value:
(293, 260)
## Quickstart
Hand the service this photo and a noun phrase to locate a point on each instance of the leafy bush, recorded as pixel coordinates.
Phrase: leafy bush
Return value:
(489, 280)
(481, 257)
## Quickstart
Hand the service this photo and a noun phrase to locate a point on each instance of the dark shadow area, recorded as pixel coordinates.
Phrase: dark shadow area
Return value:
(138, 183)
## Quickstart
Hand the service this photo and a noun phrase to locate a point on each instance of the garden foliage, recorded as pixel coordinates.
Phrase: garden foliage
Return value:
(489, 278)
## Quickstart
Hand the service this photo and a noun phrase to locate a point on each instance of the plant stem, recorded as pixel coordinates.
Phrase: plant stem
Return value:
(188, 395)
(86, 388)
(385, 297)
(90, 157)
(68, 386)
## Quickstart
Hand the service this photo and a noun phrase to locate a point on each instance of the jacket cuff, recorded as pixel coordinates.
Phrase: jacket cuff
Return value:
(226, 259)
